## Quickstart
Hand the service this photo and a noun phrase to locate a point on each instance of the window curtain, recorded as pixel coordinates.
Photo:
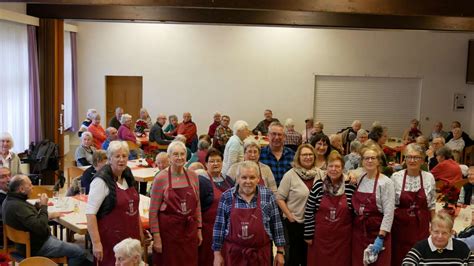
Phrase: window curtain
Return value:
(14, 83)
(35, 113)
(75, 106)
(67, 82)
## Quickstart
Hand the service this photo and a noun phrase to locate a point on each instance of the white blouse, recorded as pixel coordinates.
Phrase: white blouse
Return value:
(413, 184)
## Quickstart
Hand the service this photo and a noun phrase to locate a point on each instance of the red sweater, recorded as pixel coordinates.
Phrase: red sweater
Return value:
(448, 171)
(189, 130)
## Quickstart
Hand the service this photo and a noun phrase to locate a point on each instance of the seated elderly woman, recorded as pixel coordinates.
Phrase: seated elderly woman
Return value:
(125, 133)
(85, 151)
(97, 131)
(172, 126)
(336, 143)
(128, 252)
(447, 169)
(86, 123)
(465, 196)
(456, 144)
(8, 158)
(99, 160)
(410, 134)
(362, 136)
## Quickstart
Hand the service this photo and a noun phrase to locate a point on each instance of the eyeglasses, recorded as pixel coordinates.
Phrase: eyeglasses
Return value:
(370, 158)
(413, 158)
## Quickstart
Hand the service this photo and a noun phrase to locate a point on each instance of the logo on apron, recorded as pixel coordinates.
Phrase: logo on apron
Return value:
(361, 209)
(332, 215)
(412, 210)
(131, 211)
(245, 231)
(184, 208)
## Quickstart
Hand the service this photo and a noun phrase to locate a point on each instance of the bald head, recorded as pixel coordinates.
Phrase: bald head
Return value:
(18, 182)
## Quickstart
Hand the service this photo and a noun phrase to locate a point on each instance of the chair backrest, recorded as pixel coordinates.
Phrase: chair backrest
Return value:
(468, 156)
(17, 236)
(73, 172)
(35, 261)
(132, 145)
(460, 183)
(36, 191)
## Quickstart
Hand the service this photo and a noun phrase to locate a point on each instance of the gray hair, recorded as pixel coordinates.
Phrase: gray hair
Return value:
(318, 123)
(356, 122)
(175, 144)
(16, 182)
(203, 144)
(125, 118)
(440, 138)
(107, 131)
(248, 143)
(333, 137)
(413, 147)
(355, 146)
(90, 113)
(161, 155)
(98, 156)
(115, 146)
(289, 122)
(180, 137)
(86, 134)
(7, 136)
(445, 152)
(362, 132)
(129, 247)
(275, 124)
(240, 125)
(247, 165)
(94, 116)
(173, 117)
(443, 218)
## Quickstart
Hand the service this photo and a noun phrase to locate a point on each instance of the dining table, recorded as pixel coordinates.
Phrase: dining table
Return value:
(462, 215)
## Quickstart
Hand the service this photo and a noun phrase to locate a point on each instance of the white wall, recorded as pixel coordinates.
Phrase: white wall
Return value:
(15, 7)
(242, 70)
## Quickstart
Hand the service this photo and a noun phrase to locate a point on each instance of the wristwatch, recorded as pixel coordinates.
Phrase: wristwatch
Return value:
(381, 237)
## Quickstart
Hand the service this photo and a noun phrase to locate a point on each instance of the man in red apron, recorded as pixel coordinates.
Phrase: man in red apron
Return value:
(246, 223)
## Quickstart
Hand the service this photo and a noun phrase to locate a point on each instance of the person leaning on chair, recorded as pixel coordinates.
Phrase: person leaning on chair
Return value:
(21, 215)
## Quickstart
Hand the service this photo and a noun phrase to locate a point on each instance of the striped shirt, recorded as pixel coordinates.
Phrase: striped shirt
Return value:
(279, 167)
(314, 200)
(159, 191)
(424, 253)
(271, 217)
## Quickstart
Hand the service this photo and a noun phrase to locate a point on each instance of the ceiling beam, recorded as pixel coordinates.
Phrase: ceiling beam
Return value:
(458, 8)
(249, 17)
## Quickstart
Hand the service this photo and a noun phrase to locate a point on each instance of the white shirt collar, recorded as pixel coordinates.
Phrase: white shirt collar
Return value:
(434, 248)
(5, 160)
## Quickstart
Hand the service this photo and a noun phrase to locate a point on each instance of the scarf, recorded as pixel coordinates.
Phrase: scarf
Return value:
(333, 189)
(306, 174)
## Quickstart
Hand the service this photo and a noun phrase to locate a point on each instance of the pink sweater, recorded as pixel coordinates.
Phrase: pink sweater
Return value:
(124, 133)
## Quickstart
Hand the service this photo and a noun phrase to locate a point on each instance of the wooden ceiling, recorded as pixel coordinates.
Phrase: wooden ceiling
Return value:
(380, 14)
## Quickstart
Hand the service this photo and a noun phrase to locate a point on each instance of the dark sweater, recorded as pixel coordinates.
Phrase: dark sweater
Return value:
(110, 180)
(21, 215)
(114, 123)
(206, 193)
(421, 254)
(157, 135)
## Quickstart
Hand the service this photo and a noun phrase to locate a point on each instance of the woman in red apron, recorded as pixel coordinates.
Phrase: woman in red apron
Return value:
(175, 214)
(415, 198)
(370, 225)
(330, 243)
(119, 204)
(252, 153)
(210, 191)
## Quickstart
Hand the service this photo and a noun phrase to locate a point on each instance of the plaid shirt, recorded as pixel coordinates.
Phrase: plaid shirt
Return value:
(223, 134)
(271, 217)
(293, 138)
(280, 167)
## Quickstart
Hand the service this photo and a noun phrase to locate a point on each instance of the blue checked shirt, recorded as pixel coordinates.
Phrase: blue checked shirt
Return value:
(279, 168)
(271, 217)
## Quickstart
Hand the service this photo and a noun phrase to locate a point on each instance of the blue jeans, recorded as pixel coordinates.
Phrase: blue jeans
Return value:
(55, 248)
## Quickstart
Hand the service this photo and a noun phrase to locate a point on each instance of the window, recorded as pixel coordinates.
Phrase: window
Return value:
(14, 83)
(67, 81)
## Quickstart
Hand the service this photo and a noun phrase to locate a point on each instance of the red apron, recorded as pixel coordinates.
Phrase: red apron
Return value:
(178, 227)
(412, 210)
(332, 237)
(261, 181)
(247, 242)
(111, 232)
(366, 227)
(206, 254)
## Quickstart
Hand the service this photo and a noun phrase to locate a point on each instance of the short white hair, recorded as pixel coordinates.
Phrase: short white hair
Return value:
(115, 146)
(86, 134)
(180, 137)
(6, 136)
(356, 122)
(173, 145)
(289, 123)
(161, 155)
(240, 125)
(90, 113)
(129, 247)
(247, 165)
(124, 118)
(94, 116)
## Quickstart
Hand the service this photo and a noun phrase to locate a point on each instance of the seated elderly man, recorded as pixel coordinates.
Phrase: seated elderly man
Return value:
(112, 134)
(234, 149)
(247, 222)
(447, 169)
(467, 139)
(188, 129)
(7, 157)
(456, 144)
(115, 121)
(222, 134)
(4, 182)
(438, 131)
(21, 215)
(436, 144)
(128, 252)
(262, 127)
(162, 160)
(293, 138)
(349, 134)
(440, 248)
(156, 133)
(217, 122)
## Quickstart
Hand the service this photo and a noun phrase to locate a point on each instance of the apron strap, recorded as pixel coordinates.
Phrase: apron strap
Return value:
(170, 183)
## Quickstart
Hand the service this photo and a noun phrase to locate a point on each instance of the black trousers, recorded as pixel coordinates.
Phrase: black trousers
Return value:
(298, 248)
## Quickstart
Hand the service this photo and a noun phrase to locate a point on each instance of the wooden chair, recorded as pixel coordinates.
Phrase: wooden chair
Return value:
(468, 156)
(35, 261)
(460, 183)
(73, 172)
(132, 145)
(21, 237)
(156, 146)
(36, 191)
